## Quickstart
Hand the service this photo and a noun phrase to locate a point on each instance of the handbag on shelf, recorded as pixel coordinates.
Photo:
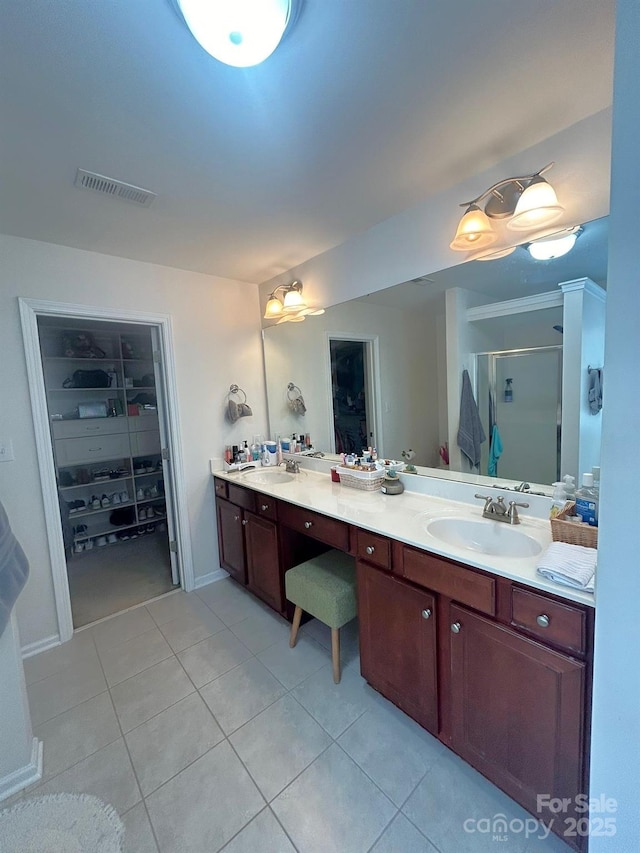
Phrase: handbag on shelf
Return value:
(88, 379)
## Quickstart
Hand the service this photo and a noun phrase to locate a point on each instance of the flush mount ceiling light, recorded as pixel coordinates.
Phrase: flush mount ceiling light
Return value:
(522, 203)
(291, 308)
(555, 245)
(237, 32)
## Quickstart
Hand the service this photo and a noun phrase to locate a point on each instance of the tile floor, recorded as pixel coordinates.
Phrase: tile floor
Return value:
(194, 718)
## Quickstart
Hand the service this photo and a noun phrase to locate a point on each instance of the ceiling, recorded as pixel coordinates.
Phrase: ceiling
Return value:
(367, 108)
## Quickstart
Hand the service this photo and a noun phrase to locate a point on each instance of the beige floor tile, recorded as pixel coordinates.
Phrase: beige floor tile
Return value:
(65, 689)
(205, 805)
(138, 835)
(262, 630)
(79, 649)
(126, 626)
(335, 706)
(213, 657)
(172, 606)
(278, 744)
(139, 698)
(126, 659)
(291, 666)
(263, 835)
(77, 733)
(188, 629)
(239, 695)
(168, 742)
(107, 774)
(401, 836)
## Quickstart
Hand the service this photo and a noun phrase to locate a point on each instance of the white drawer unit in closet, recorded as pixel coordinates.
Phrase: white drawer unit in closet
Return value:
(145, 443)
(71, 451)
(88, 427)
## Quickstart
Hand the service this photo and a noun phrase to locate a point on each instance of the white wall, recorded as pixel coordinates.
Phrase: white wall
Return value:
(615, 768)
(216, 326)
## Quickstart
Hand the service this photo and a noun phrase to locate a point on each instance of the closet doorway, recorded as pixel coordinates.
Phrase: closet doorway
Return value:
(101, 389)
(354, 393)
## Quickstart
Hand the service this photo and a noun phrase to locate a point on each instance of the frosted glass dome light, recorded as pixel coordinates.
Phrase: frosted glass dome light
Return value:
(237, 32)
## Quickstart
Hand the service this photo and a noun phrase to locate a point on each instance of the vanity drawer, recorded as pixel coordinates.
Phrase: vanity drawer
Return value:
(321, 527)
(552, 621)
(465, 586)
(266, 506)
(373, 548)
(220, 487)
(241, 497)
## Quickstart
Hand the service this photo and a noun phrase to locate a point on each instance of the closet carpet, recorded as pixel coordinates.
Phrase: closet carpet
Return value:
(107, 580)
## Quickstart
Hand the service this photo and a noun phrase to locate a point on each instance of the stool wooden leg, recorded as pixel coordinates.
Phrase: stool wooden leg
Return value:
(297, 616)
(335, 653)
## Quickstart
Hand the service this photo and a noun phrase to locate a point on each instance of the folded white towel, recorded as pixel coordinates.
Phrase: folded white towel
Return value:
(571, 565)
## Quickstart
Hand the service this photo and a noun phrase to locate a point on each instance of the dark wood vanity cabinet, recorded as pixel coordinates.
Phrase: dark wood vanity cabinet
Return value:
(398, 643)
(517, 710)
(248, 541)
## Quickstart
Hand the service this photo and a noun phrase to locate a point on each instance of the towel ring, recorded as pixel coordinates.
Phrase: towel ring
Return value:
(293, 389)
(234, 390)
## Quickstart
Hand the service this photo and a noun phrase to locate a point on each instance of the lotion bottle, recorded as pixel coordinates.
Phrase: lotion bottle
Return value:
(587, 501)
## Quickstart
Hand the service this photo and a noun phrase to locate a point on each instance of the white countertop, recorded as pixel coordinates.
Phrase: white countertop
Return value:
(405, 517)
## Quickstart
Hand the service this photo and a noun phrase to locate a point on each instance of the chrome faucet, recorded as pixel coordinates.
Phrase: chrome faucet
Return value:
(498, 511)
(292, 466)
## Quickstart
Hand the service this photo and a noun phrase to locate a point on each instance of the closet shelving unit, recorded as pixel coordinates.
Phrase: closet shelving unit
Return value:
(113, 457)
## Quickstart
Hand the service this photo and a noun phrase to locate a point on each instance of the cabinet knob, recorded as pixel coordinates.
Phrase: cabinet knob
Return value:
(370, 549)
(264, 507)
(308, 524)
(543, 620)
(244, 520)
(236, 518)
(426, 614)
(455, 628)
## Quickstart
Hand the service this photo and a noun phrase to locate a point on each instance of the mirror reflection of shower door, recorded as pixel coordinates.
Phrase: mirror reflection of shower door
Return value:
(529, 418)
(351, 395)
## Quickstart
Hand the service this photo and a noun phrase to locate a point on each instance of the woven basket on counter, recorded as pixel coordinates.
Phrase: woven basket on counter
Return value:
(366, 481)
(573, 532)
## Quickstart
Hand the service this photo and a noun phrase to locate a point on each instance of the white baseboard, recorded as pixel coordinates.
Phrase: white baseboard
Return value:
(203, 580)
(32, 649)
(24, 776)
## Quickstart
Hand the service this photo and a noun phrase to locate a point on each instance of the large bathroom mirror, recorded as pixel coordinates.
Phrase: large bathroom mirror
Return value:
(386, 369)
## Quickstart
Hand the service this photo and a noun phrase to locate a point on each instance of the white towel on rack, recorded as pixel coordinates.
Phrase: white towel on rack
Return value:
(571, 565)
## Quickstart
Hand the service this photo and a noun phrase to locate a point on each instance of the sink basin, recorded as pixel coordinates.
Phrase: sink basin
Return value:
(268, 477)
(484, 536)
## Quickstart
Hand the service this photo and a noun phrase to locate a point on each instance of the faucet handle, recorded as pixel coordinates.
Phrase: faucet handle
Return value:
(483, 497)
(513, 511)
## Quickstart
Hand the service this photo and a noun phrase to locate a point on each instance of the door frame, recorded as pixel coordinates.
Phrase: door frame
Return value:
(372, 378)
(30, 310)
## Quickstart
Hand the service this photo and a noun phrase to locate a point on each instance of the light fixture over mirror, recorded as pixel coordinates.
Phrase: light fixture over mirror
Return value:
(292, 307)
(523, 203)
(555, 245)
(242, 33)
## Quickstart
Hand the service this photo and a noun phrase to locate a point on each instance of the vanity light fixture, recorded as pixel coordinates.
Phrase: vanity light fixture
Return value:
(555, 245)
(523, 203)
(242, 33)
(291, 308)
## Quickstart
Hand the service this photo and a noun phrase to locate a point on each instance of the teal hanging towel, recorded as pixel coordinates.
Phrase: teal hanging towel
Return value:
(495, 451)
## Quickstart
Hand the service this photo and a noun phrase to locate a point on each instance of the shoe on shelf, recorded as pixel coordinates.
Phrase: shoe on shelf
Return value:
(124, 536)
(153, 492)
(158, 511)
(88, 545)
(140, 495)
(78, 547)
(101, 541)
(115, 499)
(141, 531)
(104, 501)
(150, 528)
(124, 497)
(95, 502)
(112, 538)
(142, 514)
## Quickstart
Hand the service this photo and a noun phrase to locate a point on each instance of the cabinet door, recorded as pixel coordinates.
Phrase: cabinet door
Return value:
(517, 711)
(263, 565)
(398, 643)
(231, 540)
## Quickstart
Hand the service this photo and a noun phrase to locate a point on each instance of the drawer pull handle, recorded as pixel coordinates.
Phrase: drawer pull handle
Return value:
(308, 524)
(455, 628)
(92, 429)
(94, 449)
(426, 614)
(370, 549)
(264, 507)
(543, 620)
(244, 520)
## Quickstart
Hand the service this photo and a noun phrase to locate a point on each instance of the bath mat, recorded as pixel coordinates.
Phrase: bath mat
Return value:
(73, 823)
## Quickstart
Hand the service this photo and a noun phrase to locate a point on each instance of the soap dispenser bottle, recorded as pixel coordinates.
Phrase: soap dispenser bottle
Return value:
(558, 499)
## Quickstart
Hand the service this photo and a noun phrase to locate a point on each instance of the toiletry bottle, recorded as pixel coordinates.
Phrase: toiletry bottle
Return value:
(228, 458)
(569, 482)
(558, 499)
(596, 480)
(279, 453)
(587, 501)
(508, 391)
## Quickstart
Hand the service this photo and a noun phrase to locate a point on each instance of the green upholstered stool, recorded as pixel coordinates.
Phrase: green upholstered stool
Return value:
(325, 587)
